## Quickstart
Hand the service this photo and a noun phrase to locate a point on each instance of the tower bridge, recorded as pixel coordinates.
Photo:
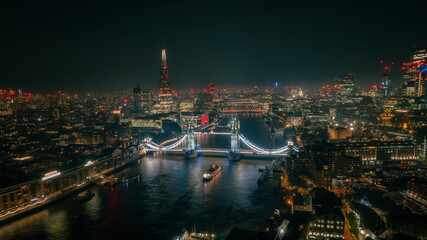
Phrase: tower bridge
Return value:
(234, 152)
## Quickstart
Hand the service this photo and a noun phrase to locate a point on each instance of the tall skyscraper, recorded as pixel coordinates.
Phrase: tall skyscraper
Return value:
(385, 81)
(137, 98)
(165, 94)
(142, 101)
(165, 85)
(414, 78)
(146, 101)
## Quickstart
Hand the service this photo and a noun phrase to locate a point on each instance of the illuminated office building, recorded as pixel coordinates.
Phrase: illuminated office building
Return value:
(137, 98)
(414, 79)
(385, 82)
(345, 85)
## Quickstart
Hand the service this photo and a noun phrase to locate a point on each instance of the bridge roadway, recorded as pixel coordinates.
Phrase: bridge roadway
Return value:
(218, 150)
(244, 111)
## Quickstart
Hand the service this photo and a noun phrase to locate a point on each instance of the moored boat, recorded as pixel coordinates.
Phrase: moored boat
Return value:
(84, 196)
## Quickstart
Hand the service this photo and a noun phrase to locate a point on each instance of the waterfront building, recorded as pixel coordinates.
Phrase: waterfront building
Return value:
(197, 119)
(146, 124)
(18, 196)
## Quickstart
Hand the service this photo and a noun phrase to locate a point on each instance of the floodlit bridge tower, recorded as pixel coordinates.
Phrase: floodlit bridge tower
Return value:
(143, 146)
(235, 144)
(191, 151)
(290, 148)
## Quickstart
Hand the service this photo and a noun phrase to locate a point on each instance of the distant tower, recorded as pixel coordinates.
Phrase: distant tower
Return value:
(146, 101)
(385, 81)
(165, 85)
(414, 84)
(137, 98)
(165, 95)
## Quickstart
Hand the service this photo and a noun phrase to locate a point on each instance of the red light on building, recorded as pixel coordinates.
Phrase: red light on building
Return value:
(204, 120)
(125, 100)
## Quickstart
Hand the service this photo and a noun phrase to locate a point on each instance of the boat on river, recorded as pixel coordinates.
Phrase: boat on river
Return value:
(211, 172)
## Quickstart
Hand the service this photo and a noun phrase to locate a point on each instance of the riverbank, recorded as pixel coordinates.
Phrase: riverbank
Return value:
(41, 203)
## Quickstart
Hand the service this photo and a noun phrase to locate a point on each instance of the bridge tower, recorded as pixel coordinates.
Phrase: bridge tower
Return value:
(191, 151)
(234, 153)
(143, 146)
(290, 148)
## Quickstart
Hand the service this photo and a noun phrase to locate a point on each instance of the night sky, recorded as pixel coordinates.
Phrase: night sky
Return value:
(111, 45)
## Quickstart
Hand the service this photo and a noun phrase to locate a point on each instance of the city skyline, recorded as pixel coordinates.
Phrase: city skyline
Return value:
(115, 48)
(255, 120)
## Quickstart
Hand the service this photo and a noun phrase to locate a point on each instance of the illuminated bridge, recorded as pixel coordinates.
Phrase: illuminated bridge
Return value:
(242, 106)
(234, 151)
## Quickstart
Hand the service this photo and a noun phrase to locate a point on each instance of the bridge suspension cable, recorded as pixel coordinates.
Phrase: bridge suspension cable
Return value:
(258, 149)
(168, 147)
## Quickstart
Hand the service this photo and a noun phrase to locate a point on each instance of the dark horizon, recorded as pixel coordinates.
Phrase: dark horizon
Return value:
(82, 46)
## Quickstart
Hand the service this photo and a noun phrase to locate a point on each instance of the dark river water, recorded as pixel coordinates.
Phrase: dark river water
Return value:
(169, 195)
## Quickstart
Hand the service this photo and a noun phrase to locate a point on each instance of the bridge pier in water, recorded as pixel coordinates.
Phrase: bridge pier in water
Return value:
(191, 151)
(234, 153)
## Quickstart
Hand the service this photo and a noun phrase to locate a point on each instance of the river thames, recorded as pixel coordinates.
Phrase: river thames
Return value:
(169, 195)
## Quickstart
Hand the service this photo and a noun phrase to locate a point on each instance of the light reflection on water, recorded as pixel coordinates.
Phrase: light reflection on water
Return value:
(169, 195)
